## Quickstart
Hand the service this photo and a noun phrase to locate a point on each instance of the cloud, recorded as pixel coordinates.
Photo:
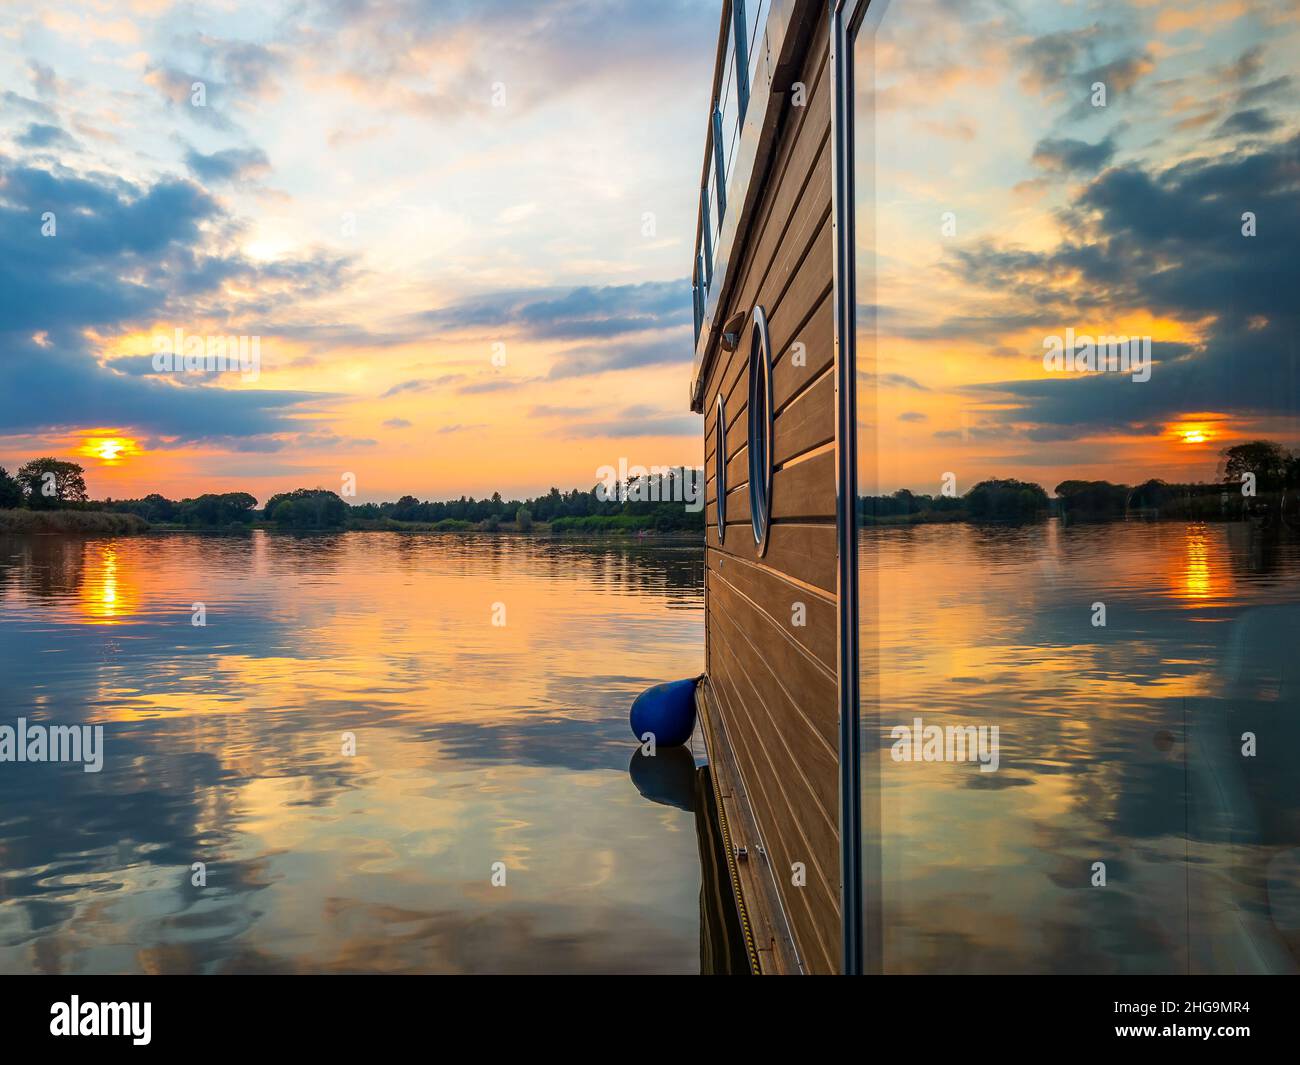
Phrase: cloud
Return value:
(1068, 156)
(622, 428)
(891, 380)
(545, 411)
(34, 108)
(230, 164)
(42, 135)
(421, 384)
(492, 384)
(1119, 75)
(123, 257)
(673, 347)
(442, 61)
(1168, 243)
(44, 80)
(1256, 93)
(1255, 120)
(397, 423)
(235, 76)
(1051, 58)
(585, 312)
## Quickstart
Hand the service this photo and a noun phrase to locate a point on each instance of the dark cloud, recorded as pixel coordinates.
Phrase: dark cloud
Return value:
(588, 359)
(1068, 156)
(1255, 93)
(586, 312)
(122, 257)
(43, 135)
(231, 164)
(1255, 120)
(1119, 75)
(1170, 243)
(1049, 59)
(60, 386)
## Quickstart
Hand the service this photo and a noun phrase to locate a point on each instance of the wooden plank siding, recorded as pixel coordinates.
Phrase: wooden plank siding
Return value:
(773, 679)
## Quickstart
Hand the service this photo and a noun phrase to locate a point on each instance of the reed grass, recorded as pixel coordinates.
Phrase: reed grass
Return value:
(75, 522)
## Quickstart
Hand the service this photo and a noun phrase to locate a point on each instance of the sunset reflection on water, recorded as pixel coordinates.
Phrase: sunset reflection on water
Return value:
(475, 743)
(1119, 743)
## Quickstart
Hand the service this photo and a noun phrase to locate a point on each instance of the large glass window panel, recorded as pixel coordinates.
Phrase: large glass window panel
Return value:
(1078, 399)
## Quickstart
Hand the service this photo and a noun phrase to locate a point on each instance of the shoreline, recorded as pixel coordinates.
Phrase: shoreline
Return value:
(111, 523)
(105, 522)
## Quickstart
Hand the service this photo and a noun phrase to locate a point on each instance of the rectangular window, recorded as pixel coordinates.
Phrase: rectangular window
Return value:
(1077, 521)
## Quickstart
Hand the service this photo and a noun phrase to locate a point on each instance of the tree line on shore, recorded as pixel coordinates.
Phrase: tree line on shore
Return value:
(52, 484)
(1256, 479)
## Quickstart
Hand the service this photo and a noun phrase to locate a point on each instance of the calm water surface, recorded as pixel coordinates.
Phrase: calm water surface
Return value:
(1119, 744)
(475, 743)
(479, 743)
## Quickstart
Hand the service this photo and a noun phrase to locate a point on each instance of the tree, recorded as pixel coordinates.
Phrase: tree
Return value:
(48, 483)
(1005, 500)
(1265, 459)
(1152, 495)
(1092, 498)
(307, 508)
(218, 510)
(11, 492)
(523, 520)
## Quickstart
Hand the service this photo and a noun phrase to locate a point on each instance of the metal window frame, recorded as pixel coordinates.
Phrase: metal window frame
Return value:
(720, 466)
(741, 51)
(761, 419)
(719, 164)
(860, 841)
(706, 237)
(785, 24)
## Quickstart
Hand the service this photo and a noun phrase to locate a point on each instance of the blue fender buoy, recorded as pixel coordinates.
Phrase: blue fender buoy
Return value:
(667, 710)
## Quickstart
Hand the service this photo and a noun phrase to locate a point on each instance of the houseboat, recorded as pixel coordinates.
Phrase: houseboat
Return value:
(902, 206)
(766, 378)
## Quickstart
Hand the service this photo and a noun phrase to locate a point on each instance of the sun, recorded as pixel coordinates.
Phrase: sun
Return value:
(110, 450)
(1193, 432)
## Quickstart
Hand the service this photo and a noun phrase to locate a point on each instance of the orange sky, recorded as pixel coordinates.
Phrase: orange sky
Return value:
(464, 252)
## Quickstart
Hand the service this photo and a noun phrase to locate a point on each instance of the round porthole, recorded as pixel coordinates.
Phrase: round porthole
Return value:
(720, 467)
(760, 431)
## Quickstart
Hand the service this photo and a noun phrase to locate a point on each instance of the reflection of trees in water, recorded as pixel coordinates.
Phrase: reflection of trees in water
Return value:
(305, 553)
(1256, 550)
(675, 569)
(54, 566)
(45, 566)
